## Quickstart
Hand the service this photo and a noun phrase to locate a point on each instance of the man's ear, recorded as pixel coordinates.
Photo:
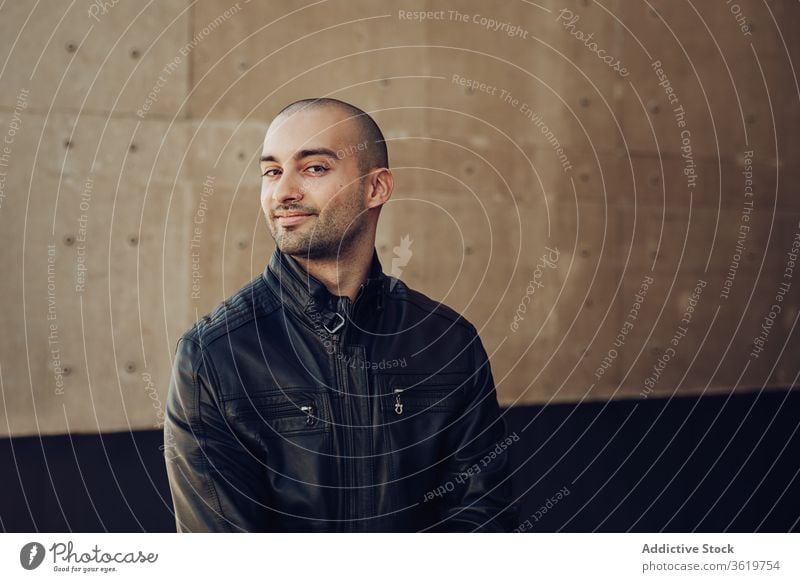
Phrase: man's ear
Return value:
(382, 186)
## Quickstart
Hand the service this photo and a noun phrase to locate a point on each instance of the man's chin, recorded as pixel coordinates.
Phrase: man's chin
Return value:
(297, 248)
(313, 253)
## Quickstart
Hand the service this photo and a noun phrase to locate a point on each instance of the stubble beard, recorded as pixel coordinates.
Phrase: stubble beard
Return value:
(332, 234)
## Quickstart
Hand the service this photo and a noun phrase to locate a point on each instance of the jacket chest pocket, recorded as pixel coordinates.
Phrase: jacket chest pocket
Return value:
(288, 414)
(408, 401)
(415, 422)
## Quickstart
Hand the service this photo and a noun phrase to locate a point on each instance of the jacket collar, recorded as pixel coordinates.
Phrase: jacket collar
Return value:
(309, 298)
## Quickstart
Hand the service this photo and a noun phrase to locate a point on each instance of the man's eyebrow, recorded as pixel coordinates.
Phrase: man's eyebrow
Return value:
(305, 154)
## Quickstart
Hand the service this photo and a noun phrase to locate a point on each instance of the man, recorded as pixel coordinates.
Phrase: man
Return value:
(325, 395)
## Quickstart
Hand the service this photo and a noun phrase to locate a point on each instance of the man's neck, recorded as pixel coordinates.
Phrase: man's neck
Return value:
(342, 275)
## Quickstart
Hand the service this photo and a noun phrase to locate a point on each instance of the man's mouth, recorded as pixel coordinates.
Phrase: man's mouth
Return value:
(290, 218)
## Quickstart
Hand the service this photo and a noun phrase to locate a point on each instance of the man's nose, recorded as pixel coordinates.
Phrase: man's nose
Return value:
(287, 189)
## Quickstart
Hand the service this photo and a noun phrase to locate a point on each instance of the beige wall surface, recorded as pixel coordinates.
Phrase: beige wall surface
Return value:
(607, 190)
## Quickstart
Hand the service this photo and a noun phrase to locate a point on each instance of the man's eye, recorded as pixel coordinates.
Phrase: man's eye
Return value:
(269, 172)
(318, 169)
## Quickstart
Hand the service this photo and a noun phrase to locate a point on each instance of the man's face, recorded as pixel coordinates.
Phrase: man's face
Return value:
(311, 191)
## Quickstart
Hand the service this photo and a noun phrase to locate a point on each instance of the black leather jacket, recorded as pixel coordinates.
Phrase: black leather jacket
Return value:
(290, 409)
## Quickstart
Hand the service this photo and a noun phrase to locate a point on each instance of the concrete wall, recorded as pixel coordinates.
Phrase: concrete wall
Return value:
(127, 127)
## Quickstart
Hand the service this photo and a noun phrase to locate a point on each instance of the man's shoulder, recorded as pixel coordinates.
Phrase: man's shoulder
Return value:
(246, 305)
(435, 312)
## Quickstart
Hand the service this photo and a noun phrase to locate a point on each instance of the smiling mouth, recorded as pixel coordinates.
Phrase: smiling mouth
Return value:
(291, 219)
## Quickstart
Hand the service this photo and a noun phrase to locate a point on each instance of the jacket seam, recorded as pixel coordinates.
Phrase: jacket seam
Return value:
(233, 321)
(458, 319)
(202, 430)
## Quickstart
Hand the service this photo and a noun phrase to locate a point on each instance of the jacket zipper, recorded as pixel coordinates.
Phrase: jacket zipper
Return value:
(341, 377)
(345, 309)
(282, 411)
(398, 405)
(309, 412)
(428, 395)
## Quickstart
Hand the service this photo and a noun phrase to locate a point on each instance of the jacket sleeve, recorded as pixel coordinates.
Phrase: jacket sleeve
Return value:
(216, 484)
(478, 495)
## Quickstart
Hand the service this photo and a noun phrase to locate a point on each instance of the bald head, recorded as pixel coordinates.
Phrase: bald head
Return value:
(373, 154)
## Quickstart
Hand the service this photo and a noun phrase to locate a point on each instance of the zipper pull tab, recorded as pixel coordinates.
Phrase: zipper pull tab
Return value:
(336, 326)
(398, 406)
(310, 418)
